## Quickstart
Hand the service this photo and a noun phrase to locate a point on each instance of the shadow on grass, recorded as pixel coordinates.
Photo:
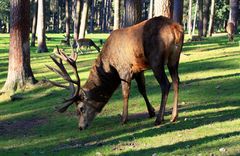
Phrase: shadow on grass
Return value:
(136, 133)
(183, 145)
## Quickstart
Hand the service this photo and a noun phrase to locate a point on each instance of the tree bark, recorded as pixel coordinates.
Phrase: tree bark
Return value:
(210, 27)
(84, 19)
(67, 22)
(77, 8)
(92, 17)
(105, 16)
(195, 18)
(101, 17)
(190, 18)
(164, 8)
(132, 12)
(206, 17)
(56, 22)
(200, 22)
(19, 69)
(178, 11)
(233, 15)
(150, 13)
(42, 47)
(109, 15)
(116, 14)
(34, 23)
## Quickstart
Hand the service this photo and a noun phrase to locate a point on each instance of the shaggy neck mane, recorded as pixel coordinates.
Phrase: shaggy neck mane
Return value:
(103, 80)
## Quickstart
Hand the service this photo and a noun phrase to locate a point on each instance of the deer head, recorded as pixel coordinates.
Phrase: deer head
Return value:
(86, 111)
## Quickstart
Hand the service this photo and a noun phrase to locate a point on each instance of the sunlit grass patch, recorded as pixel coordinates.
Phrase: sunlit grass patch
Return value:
(209, 116)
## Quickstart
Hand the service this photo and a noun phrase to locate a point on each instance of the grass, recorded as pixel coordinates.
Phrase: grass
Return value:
(209, 121)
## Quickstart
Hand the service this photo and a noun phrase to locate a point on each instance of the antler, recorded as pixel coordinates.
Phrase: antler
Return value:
(64, 74)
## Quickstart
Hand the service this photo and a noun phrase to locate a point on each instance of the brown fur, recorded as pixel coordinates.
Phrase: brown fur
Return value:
(230, 31)
(127, 53)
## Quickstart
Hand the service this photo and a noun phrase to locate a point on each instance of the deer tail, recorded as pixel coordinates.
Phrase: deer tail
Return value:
(178, 33)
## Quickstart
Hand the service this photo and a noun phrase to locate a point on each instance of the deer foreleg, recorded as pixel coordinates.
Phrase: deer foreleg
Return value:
(140, 79)
(126, 85)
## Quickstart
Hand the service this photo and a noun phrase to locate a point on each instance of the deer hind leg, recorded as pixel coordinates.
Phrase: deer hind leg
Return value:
(162, 79)
(173, 70)
(140, 79)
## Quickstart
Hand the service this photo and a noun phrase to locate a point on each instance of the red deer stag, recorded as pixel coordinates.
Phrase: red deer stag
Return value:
(127, 52)
(230, 31)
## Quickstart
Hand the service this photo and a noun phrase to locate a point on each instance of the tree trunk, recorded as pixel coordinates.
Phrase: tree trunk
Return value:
(101, 17)
(92, 16)
(19, 69)
(133, 12)
(42, 47)
(210, 27)
(200, 22)
(105, 16)
(150, 13)
(178, 11)
(67, 22)
(56, 22)
(116, 14)
(84, 19)
(190, 18)
(77, 4)
(233, 15)
(164, 8)
(34, 23)
(195, 18)
(109, 15)
(206, 17)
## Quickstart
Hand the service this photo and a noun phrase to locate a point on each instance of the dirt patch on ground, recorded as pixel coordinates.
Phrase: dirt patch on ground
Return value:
(20, 127)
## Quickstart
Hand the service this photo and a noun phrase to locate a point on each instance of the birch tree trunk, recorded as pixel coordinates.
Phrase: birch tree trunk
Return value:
(67, 22)
(195, 18)
(150, 14)
(190, 18)
(116, 14)
(42, 47)
(84, 19)
(210, 27)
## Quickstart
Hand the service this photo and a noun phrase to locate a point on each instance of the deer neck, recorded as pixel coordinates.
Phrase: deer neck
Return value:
(103, 80)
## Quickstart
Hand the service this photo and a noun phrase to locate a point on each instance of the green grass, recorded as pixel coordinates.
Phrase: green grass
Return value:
(209, 116)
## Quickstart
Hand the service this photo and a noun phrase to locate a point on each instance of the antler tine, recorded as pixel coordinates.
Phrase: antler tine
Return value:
(60, 74)
(72, 63)
(64, 74)
(57, 84)
(65, 106)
